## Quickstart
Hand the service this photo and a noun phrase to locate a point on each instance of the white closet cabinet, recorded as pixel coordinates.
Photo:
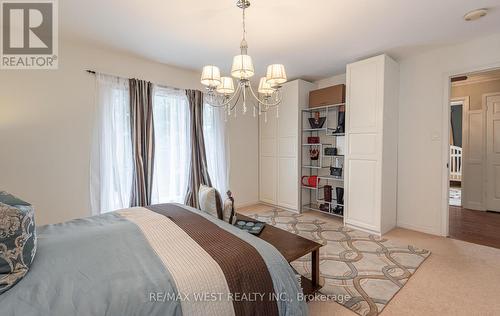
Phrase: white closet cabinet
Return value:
(372, 135)
(279, 147)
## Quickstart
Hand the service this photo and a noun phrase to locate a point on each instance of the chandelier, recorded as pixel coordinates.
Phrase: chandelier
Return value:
(221, 91)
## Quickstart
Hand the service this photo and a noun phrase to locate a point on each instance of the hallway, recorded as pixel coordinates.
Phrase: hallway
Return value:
(477, 227)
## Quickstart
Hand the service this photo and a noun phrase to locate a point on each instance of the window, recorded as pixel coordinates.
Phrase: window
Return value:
(112, 163)
(172, 145)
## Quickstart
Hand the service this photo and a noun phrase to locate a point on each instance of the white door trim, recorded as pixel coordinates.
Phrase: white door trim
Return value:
(446, 136)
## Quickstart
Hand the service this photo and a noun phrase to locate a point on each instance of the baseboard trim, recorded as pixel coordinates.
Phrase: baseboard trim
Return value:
(239, 205)
(361, 228)
(421, 229)
(281, 207)
(474, 206)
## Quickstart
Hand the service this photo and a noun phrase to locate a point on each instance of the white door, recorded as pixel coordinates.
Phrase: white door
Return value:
(473, 157)
(492, 102)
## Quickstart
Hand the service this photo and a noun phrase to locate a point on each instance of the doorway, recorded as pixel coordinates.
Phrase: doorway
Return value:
(474, 158)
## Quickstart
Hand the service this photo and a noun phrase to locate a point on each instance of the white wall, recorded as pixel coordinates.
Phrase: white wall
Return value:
(46, 120)
(330, 81)
(421, 166)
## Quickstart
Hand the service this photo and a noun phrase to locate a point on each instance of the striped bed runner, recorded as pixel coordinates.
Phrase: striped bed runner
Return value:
(206, 259)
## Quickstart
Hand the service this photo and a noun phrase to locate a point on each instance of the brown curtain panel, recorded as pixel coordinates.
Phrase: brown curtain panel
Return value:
(143, 144)
(198, 171)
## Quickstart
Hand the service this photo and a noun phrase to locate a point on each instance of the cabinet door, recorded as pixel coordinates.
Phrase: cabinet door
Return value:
(363, 126)
(268, 161)
(268, 179)
(288, 195)
(288, 174)
(287, 138)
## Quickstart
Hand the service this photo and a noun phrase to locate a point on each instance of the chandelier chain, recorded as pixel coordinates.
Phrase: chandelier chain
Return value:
(244, 26)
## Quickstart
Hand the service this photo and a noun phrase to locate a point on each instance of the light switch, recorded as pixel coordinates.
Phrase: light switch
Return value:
(435, 137)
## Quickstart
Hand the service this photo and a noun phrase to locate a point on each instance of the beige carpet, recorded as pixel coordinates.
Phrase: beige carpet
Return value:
(459, 278)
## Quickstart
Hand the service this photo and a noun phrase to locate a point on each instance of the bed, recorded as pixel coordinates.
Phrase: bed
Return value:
(166, 259)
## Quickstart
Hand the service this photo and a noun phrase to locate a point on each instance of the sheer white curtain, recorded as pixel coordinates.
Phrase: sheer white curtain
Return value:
(111, 158)
(172, 145)
(216, 147)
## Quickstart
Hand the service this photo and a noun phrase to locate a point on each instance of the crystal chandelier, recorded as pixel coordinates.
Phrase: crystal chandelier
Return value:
(221, 91)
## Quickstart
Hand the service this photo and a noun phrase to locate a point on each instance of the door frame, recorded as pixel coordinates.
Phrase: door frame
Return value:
(445, 132)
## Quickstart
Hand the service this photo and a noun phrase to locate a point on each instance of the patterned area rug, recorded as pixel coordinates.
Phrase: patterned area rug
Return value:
(360, 271)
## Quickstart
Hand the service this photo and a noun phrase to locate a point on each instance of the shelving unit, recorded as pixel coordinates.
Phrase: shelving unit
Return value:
(312, 198)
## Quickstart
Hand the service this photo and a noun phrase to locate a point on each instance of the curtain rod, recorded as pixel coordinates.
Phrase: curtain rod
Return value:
(93, 72)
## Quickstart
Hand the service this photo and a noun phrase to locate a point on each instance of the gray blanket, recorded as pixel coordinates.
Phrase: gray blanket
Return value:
(105, 265)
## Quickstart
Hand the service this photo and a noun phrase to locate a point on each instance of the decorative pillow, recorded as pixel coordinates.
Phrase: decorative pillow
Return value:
(17, 239)
(210, 201)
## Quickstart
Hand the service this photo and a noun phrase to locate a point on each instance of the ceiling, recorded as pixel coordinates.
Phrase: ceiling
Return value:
(314, 39)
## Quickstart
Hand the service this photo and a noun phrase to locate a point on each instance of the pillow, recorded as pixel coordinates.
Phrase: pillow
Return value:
(17, 240)
(210, 201)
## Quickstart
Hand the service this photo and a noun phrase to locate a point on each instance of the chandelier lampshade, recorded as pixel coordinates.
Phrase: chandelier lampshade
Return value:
(276, 74)
(264, 86)
(226, 86)
(242, 67)
(210, 76)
